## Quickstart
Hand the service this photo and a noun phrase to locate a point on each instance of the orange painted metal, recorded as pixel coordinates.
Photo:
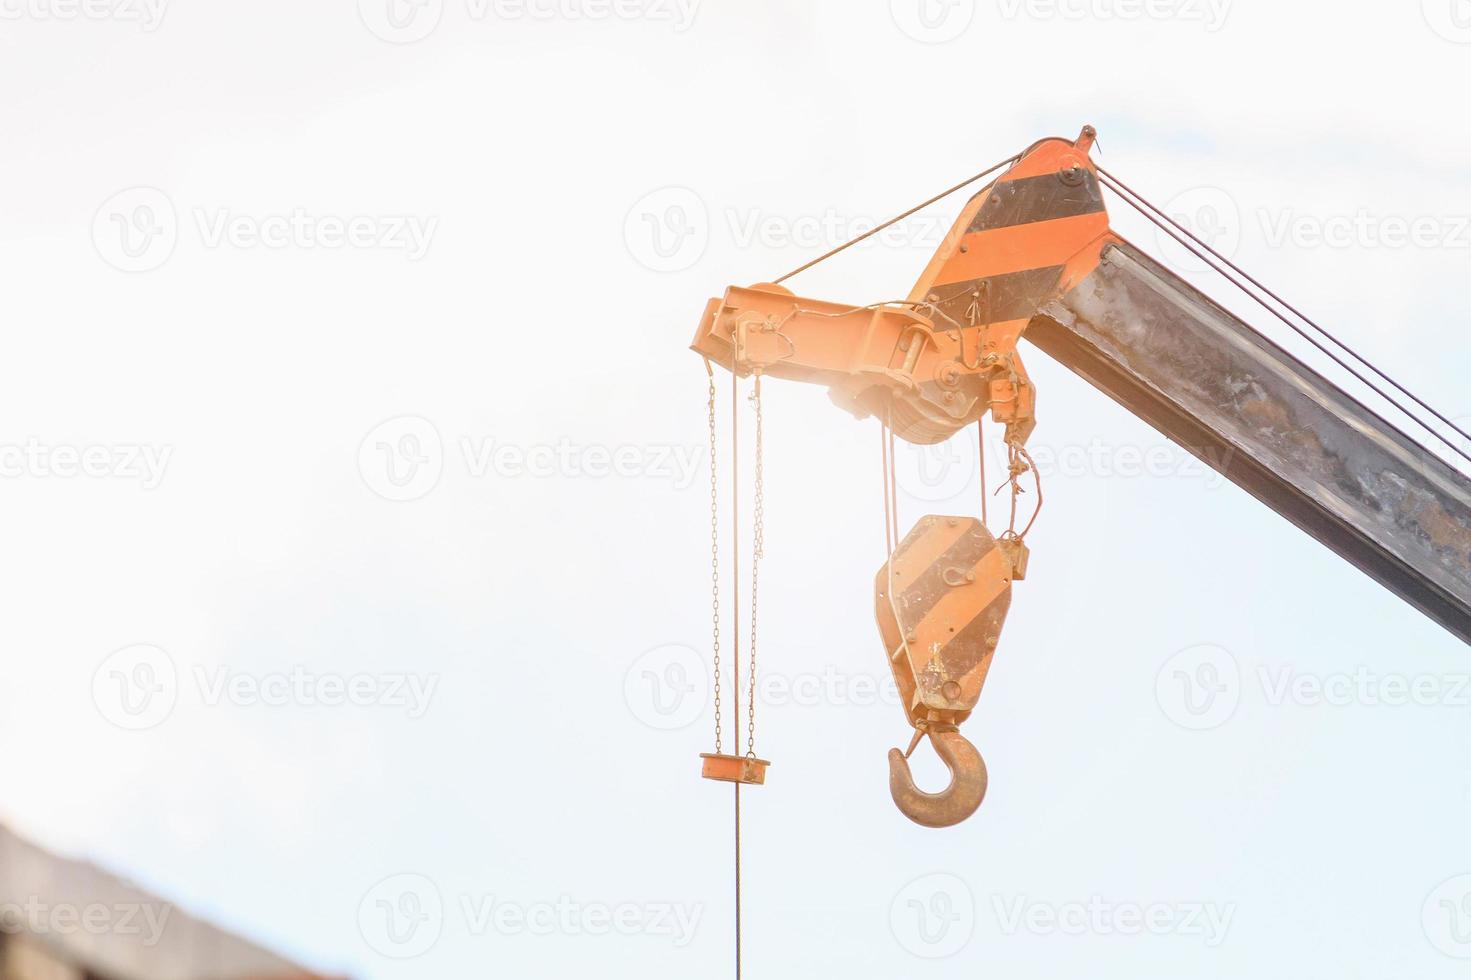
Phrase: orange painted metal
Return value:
(946, 355)
(734, 768)
(929, 365)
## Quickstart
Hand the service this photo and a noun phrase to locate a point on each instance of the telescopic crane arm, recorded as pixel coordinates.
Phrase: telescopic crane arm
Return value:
(1032, 256)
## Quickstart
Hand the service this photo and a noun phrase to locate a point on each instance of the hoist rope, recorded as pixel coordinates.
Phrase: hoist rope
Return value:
(898, 218)
(735, 605)
(1020, 460)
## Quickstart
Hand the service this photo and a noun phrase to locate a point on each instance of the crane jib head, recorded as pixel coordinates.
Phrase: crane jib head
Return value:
(933, 363)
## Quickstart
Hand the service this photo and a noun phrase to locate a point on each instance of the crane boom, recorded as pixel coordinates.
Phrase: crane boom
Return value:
(1032, 256)
(1271, 424)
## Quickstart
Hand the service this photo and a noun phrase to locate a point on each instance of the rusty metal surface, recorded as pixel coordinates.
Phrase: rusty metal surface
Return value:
(958, 800)
(1271, 424)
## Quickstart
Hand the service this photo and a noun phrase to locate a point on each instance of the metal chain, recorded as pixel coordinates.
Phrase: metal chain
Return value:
(714, 555)
(758, 551)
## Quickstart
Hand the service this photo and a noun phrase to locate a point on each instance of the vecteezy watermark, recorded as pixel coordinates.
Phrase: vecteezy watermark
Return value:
(1446, 917)
(142, 922)
(676, 922)
(401, 21)
(35, 459)
(299, 228)
(1199, 688)
(1208, 213)
(403, 459)
(138, 687)
(404, 915)
(949, 470)
(1451, 19)
(667, 230)
(412, 693)
(934, 916)
(757, 228)
(147, 14)
(933, 21)
(1364, 687)
(1210, 14)
(1364, 229)
(138, 229)
(1452, 449)
(669, 687)
(407, 21)
(1207, 921)
(1214, 217)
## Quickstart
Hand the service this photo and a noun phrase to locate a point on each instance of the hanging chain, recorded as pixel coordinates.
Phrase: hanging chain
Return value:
(714, 554)
(758, 551)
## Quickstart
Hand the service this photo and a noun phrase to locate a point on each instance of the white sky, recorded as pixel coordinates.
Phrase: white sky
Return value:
(521, 147)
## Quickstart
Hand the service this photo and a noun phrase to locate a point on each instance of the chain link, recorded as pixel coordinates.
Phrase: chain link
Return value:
(714, 556)
(758, 550)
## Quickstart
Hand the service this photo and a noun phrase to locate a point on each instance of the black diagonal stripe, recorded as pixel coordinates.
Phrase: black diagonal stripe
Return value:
(996, 299)
(967, 648)
(921, 595)
(1041, 198)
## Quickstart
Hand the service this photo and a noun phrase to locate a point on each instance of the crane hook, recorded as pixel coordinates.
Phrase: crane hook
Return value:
(955, 802)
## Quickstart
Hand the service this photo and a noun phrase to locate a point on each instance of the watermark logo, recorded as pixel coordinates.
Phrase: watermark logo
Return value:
(136, 229)
(401, 21)
(301, 229)
(947, 471)
(1211, 215)
(1209, 13)
(1446, 917)
(412, 693)
(139, 687)
(1363, 687)
(402, 916)
(402, 459)
(143, 922)
(567, 916)
(667, 230)
(407, 21)
(934, 916)
(136, 687)
(35, 459)
(666, 688)
(1199, 688)
(1207, 921)
(1364, 230)
(1451, 19)
(933, 21)
(942, 471)
(147, 14)
(1450, 437)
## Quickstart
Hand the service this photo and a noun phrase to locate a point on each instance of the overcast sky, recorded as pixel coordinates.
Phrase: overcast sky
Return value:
(353, 505)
